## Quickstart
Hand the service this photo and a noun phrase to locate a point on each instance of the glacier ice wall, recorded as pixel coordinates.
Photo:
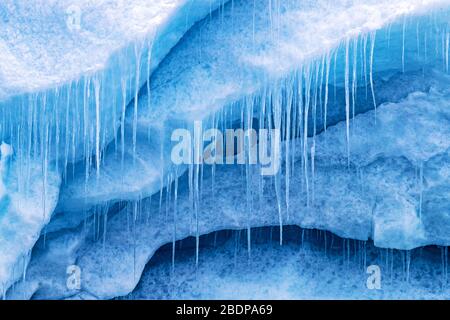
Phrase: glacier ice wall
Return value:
(303, 268)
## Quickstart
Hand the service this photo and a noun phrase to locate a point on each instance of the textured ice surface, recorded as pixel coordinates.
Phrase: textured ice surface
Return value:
(310, 265)
(242, 52)
(27, 201)
(378, 197)
(73, 66)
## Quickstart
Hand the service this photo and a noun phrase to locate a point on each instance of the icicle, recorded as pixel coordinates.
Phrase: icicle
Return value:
(305, 133)
(322, 76)
(276, 112)
(249, 161)
(97, 126)
(134, 239)
(327, 77)
(237, 236)
(197, 158)
(161, 177)
(137, 52)
(45, 146)
(364, 58)
(313, 147)
(408, 265)
(354, 76)
(344, 241)
(67, 137)
(149, 65)
(303, 238)
(86, 128)
(175, 208)
(122, 120)
(57, 130)
(372, 49)
(444, 258)
(334, 73)
(105, 225)
(288, 140)
(365, 255)
(168, 189)
(300, 121)
(348, 252)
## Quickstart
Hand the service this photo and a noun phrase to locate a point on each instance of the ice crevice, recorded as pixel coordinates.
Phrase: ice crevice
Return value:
(355, 101)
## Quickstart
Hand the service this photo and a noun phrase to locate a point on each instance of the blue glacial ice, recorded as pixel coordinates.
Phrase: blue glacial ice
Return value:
(91, 93)
(63, 91)
(290, 271)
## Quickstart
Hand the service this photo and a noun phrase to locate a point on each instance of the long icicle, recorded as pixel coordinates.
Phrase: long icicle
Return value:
(347, 98)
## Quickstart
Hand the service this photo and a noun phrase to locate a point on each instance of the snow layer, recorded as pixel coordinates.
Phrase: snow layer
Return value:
(46, 45)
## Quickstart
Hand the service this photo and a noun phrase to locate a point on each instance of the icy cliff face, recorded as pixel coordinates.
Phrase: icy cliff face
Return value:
(91, 92)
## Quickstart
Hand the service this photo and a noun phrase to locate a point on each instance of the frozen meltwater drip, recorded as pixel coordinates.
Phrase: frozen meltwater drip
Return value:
(372, 49)
(354, 76)
(403, 43)
(138, 54)
(347, 98)
(175, 218)
(327, 85)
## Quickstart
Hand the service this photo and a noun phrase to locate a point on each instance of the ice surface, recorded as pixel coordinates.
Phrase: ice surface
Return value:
(67, 71)
(78, 64)
(230, 57)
